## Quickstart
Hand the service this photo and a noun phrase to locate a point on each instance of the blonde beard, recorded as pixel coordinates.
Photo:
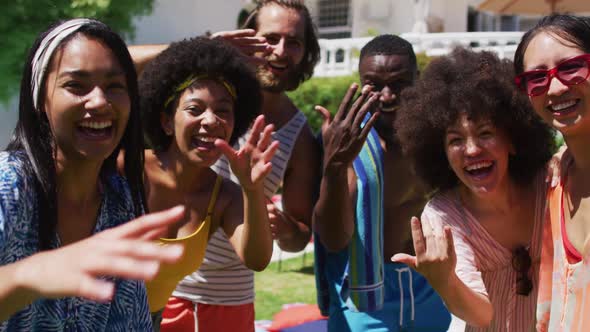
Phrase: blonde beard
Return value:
(269, 82)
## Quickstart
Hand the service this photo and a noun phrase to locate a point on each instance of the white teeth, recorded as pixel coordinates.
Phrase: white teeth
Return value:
(278, 65)
(560, 106)
(96, 124)
(389, 109)
(206, 139)
(479, 165)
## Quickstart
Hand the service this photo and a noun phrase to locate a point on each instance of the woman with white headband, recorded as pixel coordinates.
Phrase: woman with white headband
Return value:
(68, 259)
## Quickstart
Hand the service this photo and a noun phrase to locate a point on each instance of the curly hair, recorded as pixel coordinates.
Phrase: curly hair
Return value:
(312, 46)
(196, 56)
(480, 85)
(389, 45)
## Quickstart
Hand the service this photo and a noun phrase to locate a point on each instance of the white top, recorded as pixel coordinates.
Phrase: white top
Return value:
(222, 278)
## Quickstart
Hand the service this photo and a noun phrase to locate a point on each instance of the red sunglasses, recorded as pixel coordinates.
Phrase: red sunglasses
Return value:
(569, 72)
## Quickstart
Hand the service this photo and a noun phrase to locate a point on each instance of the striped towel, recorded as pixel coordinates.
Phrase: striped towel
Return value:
(365, 251)
(365, 267)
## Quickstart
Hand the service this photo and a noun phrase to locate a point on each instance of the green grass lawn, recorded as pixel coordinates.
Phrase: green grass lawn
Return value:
(294, 283)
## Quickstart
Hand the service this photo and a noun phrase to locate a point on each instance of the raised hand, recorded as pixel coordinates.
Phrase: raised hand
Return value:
(247, 42)
(435, 252)
(343, 137)
(127, 251)
(251, 163)
(282, 226)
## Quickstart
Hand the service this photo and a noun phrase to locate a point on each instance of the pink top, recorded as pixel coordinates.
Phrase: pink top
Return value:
(485, 266)
(564, 288)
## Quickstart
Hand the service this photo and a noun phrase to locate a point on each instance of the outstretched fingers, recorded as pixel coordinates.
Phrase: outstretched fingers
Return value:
(357, 106)
(266, 137)
(234, 33)
(344, 105)
(140, 226)
(326, 117)
(95, 289)
(270, 152)
(226, 149)
(256, 131)
(418, 236)
(368, 125)
(450, 242)
(409, 260)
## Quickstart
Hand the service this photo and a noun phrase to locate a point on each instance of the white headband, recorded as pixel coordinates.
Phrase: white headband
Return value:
(46, 49)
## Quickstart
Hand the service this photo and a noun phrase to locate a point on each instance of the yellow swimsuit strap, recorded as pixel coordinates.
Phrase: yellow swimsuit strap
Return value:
(214, 195)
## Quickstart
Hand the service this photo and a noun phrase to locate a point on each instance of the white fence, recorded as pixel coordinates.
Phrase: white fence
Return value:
(340, 56)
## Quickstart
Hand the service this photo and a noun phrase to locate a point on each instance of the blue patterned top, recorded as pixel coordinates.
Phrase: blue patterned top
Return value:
(19, 219)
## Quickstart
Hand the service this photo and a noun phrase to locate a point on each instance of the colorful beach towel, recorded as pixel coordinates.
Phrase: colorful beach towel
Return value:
(365, 251)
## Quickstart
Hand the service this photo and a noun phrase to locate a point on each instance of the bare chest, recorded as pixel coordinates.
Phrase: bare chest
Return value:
(577, 223)
(520, 221)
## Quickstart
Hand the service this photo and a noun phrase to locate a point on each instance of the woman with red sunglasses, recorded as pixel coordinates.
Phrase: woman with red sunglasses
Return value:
(552, 66)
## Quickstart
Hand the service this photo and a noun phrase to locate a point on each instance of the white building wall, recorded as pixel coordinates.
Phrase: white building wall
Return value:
(397, 16)
(178, 19)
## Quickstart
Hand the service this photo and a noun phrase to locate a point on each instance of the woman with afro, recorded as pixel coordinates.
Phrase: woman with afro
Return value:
(482, 150)
(197, 97)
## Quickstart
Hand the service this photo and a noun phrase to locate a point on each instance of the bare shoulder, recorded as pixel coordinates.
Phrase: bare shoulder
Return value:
(153, 167)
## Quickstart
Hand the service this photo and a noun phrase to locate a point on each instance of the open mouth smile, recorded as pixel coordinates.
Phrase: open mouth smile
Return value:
(480, 170)
(95, 129)
(204, 142)
(563, 108)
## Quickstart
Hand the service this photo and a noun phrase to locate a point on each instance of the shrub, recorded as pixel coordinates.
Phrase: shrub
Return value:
(325, 91)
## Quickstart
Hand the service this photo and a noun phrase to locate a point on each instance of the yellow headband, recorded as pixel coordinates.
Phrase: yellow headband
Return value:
(193, 78)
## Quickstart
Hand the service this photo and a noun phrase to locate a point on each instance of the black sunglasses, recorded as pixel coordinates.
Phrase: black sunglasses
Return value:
(521, 263)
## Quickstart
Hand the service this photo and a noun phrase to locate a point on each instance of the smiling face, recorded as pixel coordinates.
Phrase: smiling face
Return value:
(563, 107)
(389, 75)
(205, 112)
(478, 153)
(284, 30)
(86, 100)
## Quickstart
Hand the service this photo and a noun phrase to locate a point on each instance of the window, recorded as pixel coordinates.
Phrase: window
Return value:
(334, 18)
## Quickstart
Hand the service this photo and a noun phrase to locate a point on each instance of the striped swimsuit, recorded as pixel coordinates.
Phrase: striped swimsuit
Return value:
(485, 266)
(222, 279)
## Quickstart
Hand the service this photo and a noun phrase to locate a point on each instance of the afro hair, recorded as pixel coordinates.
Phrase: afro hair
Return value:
(196, 56)
(480, 85)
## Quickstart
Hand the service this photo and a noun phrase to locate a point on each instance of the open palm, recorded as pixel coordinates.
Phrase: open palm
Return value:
(251, 163)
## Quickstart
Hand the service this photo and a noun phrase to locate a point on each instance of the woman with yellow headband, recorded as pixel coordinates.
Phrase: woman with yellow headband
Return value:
(197, 98)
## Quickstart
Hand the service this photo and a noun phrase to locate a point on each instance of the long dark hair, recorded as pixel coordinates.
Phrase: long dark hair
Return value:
(574, 29)
(33, 136)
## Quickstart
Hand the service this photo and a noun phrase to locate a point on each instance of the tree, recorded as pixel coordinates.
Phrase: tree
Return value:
(22, 20)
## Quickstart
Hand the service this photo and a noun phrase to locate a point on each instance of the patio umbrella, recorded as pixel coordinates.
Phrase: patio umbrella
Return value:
(535, 7)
